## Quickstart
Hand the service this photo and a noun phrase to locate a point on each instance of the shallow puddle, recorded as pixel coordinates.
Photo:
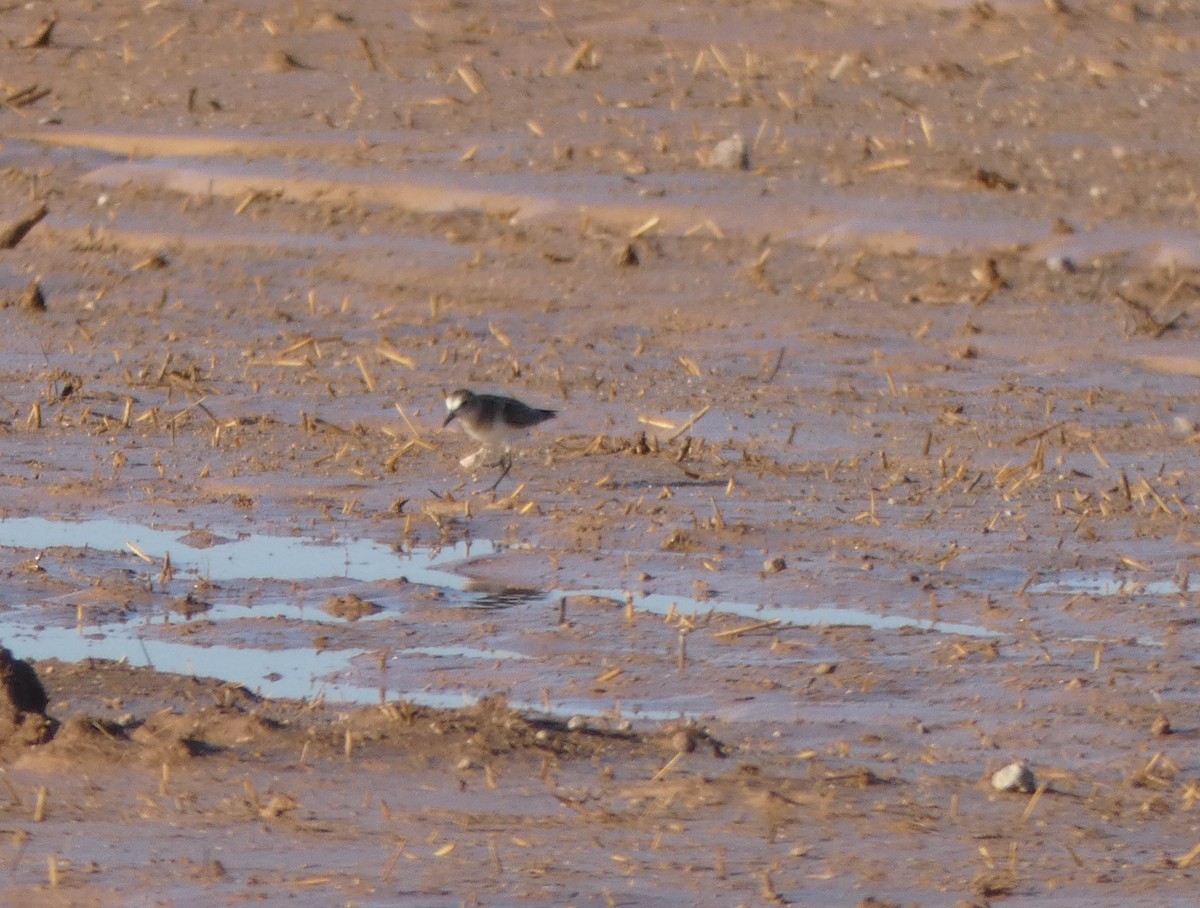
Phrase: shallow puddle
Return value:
(246, 556)
(336, 674)
(903, 225)
(290, 673)
(1106, 585)
(821, 616)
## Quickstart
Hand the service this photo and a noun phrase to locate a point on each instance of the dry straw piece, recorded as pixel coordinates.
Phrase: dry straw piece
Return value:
(13, 232)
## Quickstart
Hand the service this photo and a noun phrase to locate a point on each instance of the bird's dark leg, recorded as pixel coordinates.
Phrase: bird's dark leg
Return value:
(506, 460)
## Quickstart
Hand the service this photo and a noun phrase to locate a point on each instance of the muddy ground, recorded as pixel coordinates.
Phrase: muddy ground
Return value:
(874, 471)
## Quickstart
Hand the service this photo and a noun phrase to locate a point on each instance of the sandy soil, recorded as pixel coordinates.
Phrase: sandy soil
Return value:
(875, 467)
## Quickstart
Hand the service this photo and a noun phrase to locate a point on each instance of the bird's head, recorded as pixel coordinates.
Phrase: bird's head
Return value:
(454, 403)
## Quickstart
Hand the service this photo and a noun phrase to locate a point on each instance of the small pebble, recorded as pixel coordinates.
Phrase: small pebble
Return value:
(774, 565)
(1015, 777)
(33, 299)
(1161, 726)
(683, 741)
(282, 62)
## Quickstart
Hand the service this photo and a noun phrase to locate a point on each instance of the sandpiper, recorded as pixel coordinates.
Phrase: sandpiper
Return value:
(494, 421)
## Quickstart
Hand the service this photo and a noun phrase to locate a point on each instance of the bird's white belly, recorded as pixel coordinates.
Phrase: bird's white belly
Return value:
(498, 435)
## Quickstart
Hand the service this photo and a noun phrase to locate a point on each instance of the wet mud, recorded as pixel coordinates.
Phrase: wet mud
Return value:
(872, 337)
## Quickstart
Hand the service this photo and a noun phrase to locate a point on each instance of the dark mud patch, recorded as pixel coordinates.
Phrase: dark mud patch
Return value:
(350, 606)
(197, 717)
(23, 719)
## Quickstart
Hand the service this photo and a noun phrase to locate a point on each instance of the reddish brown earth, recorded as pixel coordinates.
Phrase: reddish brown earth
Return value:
(890, 438)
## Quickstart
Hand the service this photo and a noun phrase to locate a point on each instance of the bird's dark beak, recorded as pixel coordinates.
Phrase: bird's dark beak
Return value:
(453, 413)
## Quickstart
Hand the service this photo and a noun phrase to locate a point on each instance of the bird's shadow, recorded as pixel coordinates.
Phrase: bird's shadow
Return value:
(647, 484)
(498, 595)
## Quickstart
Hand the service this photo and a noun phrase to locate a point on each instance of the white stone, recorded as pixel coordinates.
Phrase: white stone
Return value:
(1015, 777)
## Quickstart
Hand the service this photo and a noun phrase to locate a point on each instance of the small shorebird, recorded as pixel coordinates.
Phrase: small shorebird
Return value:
(493, 421)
